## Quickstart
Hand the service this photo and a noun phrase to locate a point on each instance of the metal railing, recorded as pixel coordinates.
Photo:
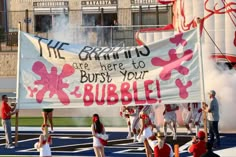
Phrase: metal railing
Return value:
(87, 35)
(8, 42)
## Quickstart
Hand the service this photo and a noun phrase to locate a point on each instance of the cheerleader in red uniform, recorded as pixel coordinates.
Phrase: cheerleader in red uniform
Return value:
(162, 149)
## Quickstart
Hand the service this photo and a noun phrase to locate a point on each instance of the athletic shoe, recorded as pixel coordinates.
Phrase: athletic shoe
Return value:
(172, 133)
(129, 136)
(135, 138)
(174, 137)
(165, 134)
(189, 132)
(10, 146)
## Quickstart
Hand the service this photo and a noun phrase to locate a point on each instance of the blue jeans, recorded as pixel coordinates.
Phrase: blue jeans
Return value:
(214, 132)
(7, 128)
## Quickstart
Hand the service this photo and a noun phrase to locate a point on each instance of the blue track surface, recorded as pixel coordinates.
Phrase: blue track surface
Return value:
(80, 144)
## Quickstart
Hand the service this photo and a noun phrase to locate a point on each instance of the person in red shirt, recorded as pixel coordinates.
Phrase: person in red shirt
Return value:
(162, 149)
(198, 146)
(6, 112)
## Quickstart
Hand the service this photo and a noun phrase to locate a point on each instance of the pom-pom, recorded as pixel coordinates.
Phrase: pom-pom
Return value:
(141, 138)
(36, 146)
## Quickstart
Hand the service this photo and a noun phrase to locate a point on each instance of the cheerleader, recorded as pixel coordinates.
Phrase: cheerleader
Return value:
(99, 136)
(170, 117)
(124, 112)
(44, 143)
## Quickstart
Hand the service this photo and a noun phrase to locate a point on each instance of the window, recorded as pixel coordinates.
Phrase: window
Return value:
(43, 23)
(150, 16)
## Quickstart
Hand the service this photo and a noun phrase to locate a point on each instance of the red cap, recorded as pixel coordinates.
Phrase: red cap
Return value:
(201, 134)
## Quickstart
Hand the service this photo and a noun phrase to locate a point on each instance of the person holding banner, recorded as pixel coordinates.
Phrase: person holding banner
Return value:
(99, 136)
(170, 117)
(6, 112)
(47, 116)
(213, 117)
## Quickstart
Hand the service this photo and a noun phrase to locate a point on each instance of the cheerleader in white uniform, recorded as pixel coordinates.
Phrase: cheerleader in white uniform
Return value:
(44, 143)
(170, 117)
(99, 139)
(146, 132)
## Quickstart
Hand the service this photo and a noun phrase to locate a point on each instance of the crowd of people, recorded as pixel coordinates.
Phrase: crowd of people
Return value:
(142, 127)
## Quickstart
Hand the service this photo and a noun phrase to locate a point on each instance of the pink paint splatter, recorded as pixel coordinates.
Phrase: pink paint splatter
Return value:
(178, 39)
(32, 91)
(173, 64)
(77, 95)
(52, 82)
(183, 88)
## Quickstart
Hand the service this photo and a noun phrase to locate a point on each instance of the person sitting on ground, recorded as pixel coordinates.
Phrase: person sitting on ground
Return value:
(198, 146)
(162, 148)
(209, 152)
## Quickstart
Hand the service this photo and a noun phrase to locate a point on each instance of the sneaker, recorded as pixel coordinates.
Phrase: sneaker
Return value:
(129, 136)
(51, 131)
(165, 134)
(135, 139)
(189, 132)
(174, 137)
(10, 146)
(172, 133)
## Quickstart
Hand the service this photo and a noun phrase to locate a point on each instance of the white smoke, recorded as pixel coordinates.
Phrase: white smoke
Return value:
(63, 30)
(222, 80)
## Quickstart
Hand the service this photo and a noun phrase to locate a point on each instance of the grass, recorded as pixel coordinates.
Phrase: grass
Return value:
(68, 121)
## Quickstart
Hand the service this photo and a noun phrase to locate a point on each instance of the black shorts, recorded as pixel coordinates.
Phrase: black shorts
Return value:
(47, 110)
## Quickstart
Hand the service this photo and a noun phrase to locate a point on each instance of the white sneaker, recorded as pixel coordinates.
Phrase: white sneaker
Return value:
(165, 134)
(174, 137)
(172, 133)
(51, 132)
(189, 132)
(10, 146)
(129, 136)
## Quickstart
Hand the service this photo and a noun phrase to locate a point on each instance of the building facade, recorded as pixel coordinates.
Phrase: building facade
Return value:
(44, 17)
(43, 14)
(1, 15)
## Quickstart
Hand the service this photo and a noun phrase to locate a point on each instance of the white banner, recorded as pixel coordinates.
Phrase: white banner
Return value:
(54, 74)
